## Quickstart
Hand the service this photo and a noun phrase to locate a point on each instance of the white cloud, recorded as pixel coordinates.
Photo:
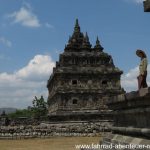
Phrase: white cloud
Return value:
(135, 1)
(25, 17)
(129, 80)
(19, 88)
(37, 68)
(5, 42)
(49, 25)
(138, 1)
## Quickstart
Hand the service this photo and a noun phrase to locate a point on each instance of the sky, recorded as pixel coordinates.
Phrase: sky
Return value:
(34, 33)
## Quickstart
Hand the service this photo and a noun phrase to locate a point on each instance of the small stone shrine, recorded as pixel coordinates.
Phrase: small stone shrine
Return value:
(83, 79)
(4, 119)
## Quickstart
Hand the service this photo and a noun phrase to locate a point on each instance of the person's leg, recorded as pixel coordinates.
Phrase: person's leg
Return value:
(144, 80)
(139, 82)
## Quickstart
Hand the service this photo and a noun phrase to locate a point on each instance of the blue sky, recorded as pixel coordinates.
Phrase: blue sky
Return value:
(33, 33)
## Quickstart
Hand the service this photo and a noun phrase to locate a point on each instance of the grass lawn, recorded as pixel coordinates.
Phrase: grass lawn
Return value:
(55, 143)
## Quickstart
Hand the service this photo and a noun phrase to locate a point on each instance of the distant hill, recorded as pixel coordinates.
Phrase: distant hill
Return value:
(7, 110)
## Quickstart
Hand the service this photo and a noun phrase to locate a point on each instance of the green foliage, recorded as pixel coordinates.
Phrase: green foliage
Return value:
(39, 108)
(21, 113)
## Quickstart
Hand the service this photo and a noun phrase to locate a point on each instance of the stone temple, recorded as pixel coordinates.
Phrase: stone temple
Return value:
(83, 79)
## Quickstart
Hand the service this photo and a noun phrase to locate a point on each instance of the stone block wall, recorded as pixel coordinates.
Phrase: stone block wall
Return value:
(54, 129)
(131, 113)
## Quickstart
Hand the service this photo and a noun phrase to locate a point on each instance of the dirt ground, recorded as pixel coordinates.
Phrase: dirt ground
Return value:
(57, 143)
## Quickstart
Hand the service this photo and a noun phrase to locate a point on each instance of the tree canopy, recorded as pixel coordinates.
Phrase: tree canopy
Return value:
(37, 110)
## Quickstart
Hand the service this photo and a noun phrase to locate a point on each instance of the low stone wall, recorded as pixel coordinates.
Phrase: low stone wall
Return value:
(46, 130)
(131, 113)
(125, 142)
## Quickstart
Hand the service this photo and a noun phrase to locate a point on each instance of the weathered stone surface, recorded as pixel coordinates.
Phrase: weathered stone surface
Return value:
(116, 139)
(136, 99)
(146, 5)
(144, 91)
(131, 117)
(54, 129)
(83, 79)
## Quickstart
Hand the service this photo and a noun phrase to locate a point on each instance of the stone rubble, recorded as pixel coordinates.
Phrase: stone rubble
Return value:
(45, 130)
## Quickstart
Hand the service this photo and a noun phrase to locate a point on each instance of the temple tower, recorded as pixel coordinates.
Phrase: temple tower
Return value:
(83, 79)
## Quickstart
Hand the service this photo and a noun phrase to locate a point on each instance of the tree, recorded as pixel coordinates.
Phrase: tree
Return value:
(20, 113)
(39, 108)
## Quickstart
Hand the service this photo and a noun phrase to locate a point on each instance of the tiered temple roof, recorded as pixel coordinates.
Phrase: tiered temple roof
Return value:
(79, 41)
